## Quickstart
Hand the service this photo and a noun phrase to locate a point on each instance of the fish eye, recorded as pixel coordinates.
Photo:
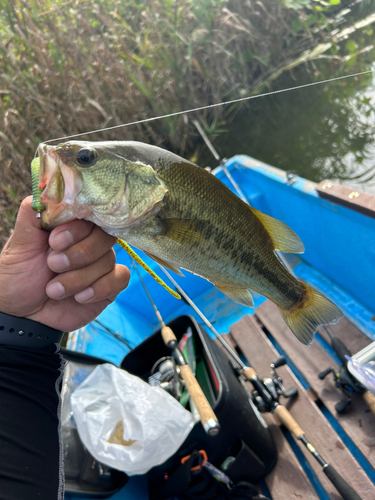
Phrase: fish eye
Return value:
(87, 157)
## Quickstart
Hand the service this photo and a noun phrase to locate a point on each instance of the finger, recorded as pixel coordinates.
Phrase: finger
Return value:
(72, 282)
(28, 232)
(106, 287)
(66, 235)
(83, 253)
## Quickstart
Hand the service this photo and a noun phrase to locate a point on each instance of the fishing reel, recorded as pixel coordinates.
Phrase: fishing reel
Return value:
(266, 396)
(346, 383)
(343, 379)
(166, 374)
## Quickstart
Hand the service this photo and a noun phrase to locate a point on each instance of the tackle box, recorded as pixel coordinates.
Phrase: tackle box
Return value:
(244, 442)
(244, 437)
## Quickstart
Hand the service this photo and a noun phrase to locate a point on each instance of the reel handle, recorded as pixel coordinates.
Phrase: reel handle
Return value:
(291, 393)
(281, 361)
(342, 405)
(325, 372)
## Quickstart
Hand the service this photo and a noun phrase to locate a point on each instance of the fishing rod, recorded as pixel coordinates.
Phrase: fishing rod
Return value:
(116, 335)
(344, 379)
(208, 418)
(210, 106)
(221, 161)
(270, 400)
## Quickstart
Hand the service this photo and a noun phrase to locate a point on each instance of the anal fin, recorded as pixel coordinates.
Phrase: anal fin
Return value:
(164, 263)
(239, 295)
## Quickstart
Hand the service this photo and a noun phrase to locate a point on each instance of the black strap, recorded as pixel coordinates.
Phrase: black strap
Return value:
(24, 332)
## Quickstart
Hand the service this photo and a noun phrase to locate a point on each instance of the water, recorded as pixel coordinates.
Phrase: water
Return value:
(326, 131)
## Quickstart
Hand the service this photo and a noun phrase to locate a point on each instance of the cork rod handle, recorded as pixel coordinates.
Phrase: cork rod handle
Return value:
(286, 418)
(249, 372)
(208, 418)
(370, 400)
(168, 335)
(206, 413)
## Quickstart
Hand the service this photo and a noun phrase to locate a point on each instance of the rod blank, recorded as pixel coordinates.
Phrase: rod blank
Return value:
(208, 418)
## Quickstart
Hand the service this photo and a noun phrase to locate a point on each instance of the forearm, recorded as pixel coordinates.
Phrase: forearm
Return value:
(77, 260)
(30, 445)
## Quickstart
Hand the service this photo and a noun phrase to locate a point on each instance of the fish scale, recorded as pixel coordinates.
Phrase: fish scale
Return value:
(183, 217)
(242, 255)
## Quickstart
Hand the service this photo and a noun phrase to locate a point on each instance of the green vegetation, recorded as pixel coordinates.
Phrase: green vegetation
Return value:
(324, 131)
(71, 66)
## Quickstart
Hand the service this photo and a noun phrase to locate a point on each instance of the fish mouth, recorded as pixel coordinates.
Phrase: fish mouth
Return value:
(60, 186)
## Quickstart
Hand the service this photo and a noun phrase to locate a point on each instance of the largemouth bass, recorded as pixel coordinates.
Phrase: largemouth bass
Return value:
(182, 217)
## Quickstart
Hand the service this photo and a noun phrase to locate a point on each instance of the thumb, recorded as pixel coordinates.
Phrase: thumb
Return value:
(28, 232)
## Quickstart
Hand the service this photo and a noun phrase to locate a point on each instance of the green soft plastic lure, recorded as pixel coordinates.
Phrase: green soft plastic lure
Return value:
(38, 206)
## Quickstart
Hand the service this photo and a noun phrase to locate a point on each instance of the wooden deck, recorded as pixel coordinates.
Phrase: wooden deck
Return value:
(297, 474)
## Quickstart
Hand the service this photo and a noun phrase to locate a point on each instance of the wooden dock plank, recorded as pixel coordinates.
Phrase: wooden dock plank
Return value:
(260, 352)
(287, 480)
(357, 420)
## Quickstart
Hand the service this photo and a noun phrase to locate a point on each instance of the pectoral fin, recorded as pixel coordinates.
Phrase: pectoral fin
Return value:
(239, 295)
(164, 263)
(283, 238)
(180, 230)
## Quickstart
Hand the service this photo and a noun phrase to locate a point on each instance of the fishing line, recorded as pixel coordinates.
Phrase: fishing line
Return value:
(209, 106)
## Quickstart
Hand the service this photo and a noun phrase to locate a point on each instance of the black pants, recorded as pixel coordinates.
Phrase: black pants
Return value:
(31, 465)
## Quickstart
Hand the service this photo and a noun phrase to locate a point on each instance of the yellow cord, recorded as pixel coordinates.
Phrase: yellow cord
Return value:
(136, 257)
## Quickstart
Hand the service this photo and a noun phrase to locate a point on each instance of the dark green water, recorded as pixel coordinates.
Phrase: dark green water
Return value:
(324, 131)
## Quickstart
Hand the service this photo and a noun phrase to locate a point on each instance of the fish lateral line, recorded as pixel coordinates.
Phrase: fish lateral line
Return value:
(142, 263)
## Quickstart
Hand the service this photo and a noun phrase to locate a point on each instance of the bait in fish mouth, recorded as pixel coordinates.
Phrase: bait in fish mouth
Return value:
(183, 218)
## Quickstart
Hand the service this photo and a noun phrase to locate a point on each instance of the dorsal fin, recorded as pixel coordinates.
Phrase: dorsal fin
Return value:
(283, 238)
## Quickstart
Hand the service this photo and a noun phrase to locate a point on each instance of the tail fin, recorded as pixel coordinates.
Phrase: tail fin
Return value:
(315, 311)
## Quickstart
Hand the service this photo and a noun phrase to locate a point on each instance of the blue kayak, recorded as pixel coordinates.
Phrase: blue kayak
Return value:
(335, 224)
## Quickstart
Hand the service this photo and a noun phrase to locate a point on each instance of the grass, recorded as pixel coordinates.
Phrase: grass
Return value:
(69, 66)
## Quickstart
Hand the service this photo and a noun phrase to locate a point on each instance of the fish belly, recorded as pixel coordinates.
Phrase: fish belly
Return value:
(226, 259)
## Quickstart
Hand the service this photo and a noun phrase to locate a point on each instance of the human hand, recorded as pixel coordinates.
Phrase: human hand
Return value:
(63, 279)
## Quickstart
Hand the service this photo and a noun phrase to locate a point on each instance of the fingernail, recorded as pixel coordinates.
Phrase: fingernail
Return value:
(55, 290)
(63, 240)
(59, 262)
(85, 295)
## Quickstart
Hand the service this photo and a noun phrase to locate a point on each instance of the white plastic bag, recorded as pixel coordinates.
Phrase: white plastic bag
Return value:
(127, 424)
